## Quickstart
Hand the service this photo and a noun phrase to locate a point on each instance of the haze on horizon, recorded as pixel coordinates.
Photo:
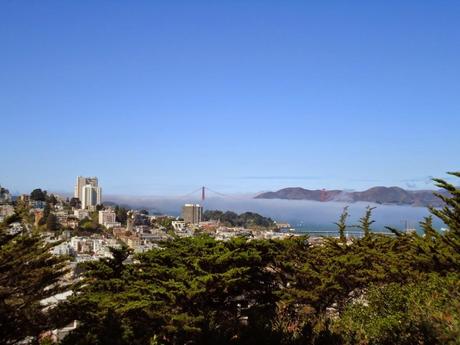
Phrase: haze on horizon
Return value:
(160, 98)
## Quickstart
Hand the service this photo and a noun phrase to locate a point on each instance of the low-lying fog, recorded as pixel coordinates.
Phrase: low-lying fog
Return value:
(301, 214)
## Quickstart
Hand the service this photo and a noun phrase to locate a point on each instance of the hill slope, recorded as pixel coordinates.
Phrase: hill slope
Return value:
(381, 195)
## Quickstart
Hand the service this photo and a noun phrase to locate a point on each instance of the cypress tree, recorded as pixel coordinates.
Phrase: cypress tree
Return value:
(341, 224)
(29, 274)
(366, 221)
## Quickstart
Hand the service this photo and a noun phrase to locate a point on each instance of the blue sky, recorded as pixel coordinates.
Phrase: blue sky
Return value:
(161, 97)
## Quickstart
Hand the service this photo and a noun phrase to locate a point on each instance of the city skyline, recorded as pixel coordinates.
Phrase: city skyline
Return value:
(229, 172)
(426, 184)
(162, 98)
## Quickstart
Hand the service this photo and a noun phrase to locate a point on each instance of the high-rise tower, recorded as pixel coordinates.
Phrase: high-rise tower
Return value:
(88, 191)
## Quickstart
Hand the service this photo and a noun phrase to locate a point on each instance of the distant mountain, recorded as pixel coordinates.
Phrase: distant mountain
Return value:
(379, 195)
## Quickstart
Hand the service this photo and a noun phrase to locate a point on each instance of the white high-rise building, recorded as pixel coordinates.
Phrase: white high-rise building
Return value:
(108, 218)
(90, 196)
(81, 182)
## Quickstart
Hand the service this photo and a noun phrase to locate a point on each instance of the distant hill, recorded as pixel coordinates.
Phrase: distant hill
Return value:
(248, 220)
(379, 195)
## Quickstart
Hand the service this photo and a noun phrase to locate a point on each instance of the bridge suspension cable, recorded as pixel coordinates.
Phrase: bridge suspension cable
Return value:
(203, 193)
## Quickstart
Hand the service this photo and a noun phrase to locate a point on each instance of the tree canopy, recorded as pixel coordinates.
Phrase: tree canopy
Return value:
(376, 289)
(38, 195)
(29, 274)
(246, 219)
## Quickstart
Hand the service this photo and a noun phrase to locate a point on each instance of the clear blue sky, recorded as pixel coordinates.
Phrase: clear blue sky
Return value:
(161, 97)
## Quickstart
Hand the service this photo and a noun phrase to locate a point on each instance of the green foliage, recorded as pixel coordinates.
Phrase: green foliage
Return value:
(23, 214)
(373, 290)
(247, 219)
(450, 215)
(51, 199)
(43, 222)
(342, 224)
(11, 219)
(75, 202)
(165, 222)
(366, 221)
(29, 273)
(121, 214)
(38, 195)
(194, 289)
(52, 223)
(426, 312)
(401, 289)
(89, 226)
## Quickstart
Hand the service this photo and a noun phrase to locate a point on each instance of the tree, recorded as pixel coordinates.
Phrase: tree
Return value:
(38, 195)
(450, 215)
(194, 290)
(52, 223)
(46, 214)
(366, 221)
(121, 214)
(377, 289)
(51, 199)
(342, 224)
(247, 219)
(29, 273)
(426, 312)
(75, 203)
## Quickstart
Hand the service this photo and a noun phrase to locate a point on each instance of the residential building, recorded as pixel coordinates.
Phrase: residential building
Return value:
(63, 249)
(81, 214)
(178, 225)
(191, 213)
(128, 237)
(37, 204)
(81, 182)
(67, 220)
(90, 196)
(108, 218)
(5, 196)
(82, 244)
(24, 198)
(283, 225)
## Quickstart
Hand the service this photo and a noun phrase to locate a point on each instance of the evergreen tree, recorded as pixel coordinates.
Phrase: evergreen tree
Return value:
(341, 224)
(193, 290)
(450, 215)
(366, 221)
(121, 214)
(52, 223)
(374, 290)
(51, 199)
(29, 273)
(75, 202)
(38, 195)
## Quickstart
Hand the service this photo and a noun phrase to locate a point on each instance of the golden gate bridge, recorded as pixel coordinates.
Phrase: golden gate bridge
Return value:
(203, 192)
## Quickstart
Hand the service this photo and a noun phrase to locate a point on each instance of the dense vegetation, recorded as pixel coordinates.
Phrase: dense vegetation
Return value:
(29, 274)
(247, 219)
(378, 289)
